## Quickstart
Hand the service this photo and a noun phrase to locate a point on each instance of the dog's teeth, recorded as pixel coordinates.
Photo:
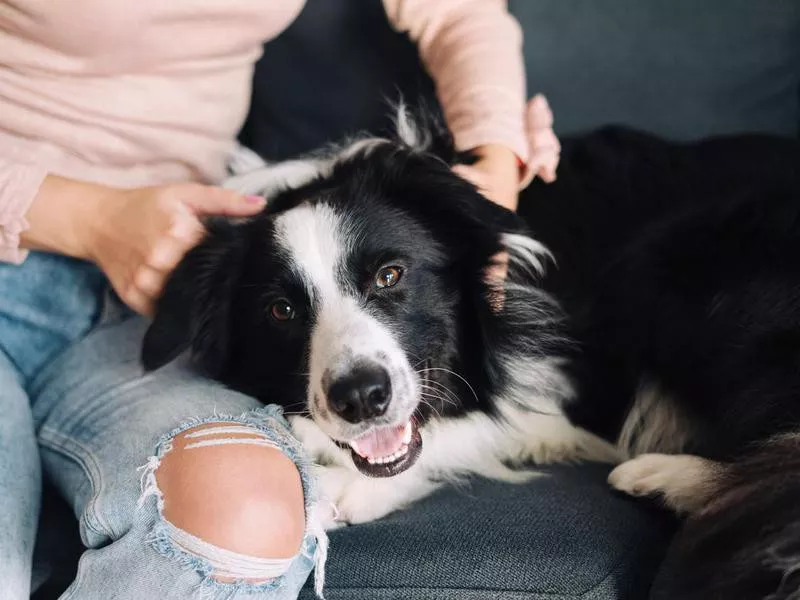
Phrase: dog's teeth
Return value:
(382, 460)
(407, 434)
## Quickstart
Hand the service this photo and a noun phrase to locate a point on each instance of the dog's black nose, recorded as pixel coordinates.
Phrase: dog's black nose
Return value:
(361, 394)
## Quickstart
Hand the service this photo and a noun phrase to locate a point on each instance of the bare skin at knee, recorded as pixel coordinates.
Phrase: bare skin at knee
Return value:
(241, 496)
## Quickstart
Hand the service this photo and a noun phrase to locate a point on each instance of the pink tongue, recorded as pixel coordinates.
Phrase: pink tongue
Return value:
(379, 442)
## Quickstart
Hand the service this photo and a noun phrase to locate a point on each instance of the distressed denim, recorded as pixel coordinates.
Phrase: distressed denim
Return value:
(78, 410)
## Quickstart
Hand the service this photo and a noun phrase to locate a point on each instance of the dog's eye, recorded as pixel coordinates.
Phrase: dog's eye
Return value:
(282, 310)
(388, 277)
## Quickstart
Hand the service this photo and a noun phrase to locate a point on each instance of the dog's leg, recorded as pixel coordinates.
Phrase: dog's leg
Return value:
(744, 544)
(685, 483)
(359, 499)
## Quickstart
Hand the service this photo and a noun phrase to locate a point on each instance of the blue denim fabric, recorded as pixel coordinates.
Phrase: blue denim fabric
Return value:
(71, 383)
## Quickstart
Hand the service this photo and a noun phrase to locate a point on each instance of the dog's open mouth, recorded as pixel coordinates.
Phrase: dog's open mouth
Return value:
(387, 451)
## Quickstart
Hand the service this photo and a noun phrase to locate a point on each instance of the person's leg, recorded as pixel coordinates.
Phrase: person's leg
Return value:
(20, 485)
(45, 303)
(182, 487)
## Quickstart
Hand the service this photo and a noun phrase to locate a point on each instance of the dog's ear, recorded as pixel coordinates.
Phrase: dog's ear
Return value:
(449, 205)
(194, 309)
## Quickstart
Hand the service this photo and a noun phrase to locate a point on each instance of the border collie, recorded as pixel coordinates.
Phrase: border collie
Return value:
(651, 312)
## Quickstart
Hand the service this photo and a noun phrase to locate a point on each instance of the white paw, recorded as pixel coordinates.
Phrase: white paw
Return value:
(685, 483)
(645, 475)
(354, 498)
(360, 505)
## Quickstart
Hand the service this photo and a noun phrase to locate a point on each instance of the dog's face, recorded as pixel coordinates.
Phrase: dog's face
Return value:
(348, 299)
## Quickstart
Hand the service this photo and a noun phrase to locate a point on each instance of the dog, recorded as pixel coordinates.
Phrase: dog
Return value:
(650, 314)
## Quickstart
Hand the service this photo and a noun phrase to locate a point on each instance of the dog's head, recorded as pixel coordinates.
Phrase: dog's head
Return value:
(358, 296)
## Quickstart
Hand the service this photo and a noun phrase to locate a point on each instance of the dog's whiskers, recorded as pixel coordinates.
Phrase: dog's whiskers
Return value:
(453, 397)
(433, 393)
(471, 389)
(422, 400)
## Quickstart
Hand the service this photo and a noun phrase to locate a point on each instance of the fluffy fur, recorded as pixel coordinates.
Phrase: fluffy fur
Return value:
(653, 299)
(680, 275)
(484, 388)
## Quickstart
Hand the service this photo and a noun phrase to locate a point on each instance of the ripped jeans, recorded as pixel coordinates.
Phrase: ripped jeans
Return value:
(78, 409)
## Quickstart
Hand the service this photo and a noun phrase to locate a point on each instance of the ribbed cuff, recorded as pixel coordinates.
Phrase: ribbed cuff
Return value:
(19, 184)
(544, 149)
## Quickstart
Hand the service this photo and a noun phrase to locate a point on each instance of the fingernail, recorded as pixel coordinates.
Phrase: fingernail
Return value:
(255, 199)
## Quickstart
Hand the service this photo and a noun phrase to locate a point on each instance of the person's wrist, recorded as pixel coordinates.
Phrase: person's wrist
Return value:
(88, 210)
(498, 153)
(95, 221)
(502, 166)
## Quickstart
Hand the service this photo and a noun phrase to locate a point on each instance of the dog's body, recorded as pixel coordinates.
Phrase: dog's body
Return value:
(680, 269)
(653, 299)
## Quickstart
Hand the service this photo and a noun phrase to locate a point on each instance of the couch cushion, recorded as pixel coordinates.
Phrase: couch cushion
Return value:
(563, 535)
(680, 68)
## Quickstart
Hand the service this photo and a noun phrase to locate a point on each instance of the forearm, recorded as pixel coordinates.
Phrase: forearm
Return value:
(473, 51)
(502, 165)
(63, 216)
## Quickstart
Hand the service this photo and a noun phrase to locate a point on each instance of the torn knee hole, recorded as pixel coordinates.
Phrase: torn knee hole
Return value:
(231, 497)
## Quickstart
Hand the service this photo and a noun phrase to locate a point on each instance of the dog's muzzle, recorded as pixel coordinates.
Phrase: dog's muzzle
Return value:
(361, 395)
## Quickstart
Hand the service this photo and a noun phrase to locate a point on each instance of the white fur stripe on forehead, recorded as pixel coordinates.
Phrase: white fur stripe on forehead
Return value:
(315, 241)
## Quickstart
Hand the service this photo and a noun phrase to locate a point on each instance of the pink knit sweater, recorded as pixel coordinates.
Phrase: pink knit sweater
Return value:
(131, 94)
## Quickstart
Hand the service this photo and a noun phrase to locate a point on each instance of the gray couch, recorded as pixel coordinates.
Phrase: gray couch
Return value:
(680, 68)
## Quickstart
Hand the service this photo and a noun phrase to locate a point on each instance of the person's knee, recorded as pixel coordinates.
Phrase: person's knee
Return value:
(226, 485)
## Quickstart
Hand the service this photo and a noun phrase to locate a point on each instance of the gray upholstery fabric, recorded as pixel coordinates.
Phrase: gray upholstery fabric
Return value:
(679, 68)
(564, 535)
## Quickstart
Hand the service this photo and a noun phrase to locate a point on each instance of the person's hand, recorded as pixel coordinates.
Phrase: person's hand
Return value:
(496, 174)
(140, 235)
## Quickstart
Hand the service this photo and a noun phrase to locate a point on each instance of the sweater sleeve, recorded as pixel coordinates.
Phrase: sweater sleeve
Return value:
(19, 184)
(473, 51)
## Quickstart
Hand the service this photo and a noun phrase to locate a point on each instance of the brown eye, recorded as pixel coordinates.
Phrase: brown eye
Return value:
(282, 310)
(388, 277)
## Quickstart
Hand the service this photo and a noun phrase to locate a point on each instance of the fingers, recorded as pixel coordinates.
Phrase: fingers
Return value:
(138, 300)
(209, 200)
(149, 281)
(165, 255)
(146, 284)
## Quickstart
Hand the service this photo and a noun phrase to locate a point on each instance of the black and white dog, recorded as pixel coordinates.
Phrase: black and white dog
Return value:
(652, 305)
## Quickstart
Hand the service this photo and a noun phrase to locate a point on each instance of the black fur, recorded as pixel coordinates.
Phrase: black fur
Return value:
(680, 265)
(399, 204)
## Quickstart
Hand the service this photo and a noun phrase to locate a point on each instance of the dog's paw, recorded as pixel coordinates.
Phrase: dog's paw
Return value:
(354, 497)
(360, 499)
(645, 475)
(358, 505)
(682, 481)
